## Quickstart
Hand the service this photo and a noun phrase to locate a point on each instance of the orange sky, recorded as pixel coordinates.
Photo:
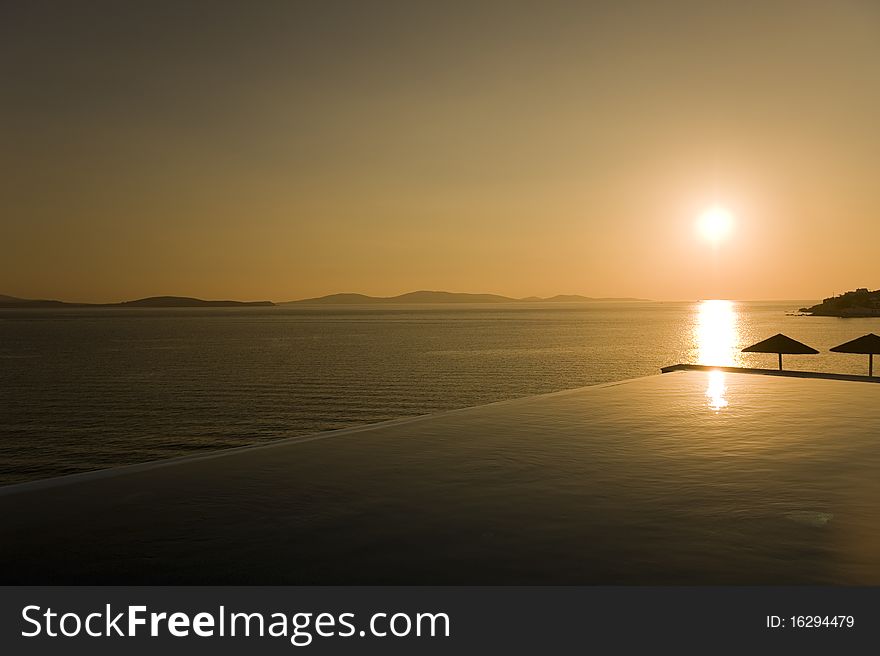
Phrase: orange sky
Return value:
(524, 149)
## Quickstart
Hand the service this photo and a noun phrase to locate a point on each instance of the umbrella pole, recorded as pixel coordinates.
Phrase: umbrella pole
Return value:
(870, 365)
(780, 362)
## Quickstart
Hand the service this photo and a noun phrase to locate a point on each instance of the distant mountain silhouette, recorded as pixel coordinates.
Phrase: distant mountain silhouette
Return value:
(445, 297)
(13, 301)
(419, 297)
(184, 301)
(152, 301)
(577, 298)
(341, 299)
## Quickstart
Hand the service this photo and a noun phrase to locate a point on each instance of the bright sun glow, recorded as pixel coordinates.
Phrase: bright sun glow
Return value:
(715, 223)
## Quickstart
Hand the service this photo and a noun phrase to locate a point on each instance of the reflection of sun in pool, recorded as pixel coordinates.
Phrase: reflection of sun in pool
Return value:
(715, 391)
(715, 224)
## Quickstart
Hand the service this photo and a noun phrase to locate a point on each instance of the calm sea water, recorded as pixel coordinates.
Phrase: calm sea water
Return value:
(89, 389)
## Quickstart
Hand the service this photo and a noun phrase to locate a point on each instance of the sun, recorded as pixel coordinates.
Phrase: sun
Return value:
(715, 223)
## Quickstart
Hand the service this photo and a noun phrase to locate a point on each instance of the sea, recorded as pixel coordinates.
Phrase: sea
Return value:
(84, 389)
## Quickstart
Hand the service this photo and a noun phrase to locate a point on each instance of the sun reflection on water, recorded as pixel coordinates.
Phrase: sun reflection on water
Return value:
(717, 334)
(717, 339)
(716, 390)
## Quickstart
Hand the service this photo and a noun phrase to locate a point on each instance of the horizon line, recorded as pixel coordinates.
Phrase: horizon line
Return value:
(393, 296)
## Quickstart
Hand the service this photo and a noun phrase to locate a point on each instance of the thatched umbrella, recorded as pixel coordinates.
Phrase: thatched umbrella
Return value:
(780, 344)
(866, 344)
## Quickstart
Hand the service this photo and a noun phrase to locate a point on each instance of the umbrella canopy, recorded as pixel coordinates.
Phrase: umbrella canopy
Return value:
(866, 345)
(780, 344)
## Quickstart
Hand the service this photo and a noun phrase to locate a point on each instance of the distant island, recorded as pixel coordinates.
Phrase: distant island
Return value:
(149, 302)
(446, 297)
(858, 303)
(419, 297)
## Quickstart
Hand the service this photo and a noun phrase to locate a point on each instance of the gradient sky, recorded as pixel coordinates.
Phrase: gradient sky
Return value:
(283, 150)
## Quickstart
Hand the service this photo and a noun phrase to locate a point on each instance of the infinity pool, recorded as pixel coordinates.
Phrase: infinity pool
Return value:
(689, 477)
